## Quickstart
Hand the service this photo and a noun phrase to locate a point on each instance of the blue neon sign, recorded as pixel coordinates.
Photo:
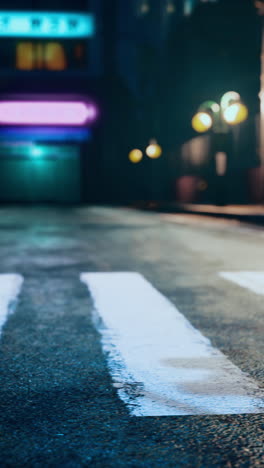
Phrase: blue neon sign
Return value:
(44, 134)
(45, 24)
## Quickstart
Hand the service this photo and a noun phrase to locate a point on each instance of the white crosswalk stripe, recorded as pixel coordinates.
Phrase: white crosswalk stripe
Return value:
(10, 285)
(159, 363)
(252, 280)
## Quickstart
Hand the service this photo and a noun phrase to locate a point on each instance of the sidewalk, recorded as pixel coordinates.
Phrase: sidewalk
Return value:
(246, 213)
(230, 211)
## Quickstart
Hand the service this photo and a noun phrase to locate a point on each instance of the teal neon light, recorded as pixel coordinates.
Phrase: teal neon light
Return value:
(44, 24)
(38, 151)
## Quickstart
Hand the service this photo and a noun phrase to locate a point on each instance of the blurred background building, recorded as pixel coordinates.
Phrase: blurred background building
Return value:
(53, 56)
(220, 45)
(171, 56)
(145, 66)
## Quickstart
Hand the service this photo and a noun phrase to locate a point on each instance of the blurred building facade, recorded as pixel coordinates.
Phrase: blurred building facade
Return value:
(220, 51)
(159, 61)
(175, 55)
(49, 163)
(148, 66)
(141, 56)
(167, 58)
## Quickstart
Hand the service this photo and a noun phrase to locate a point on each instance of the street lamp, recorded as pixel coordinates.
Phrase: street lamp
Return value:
(153, 151)
(202, 121)
(230, 111)
(135, 155)
(220, 117)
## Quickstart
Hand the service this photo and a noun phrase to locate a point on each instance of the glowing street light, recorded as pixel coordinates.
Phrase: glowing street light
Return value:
(135, 155)
(231, 111)
(201, 122)
(153, 150)
(235, 114)
(229, 98)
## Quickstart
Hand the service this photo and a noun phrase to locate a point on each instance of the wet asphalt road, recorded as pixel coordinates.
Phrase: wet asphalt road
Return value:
(58, 405)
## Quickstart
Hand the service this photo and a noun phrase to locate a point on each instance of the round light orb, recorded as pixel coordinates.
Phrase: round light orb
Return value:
(215, 107)
(135, 156)
(154, 150)
(236, 113)
(229, 98)
(201, 122)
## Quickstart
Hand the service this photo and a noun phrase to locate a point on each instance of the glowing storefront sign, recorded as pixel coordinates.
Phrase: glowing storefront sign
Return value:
(46, 113)
(45, 24)
(36, 150)
(37, 133)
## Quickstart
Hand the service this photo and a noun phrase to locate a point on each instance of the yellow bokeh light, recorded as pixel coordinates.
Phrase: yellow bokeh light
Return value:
(229, 98)
(215, 107)
(154, 151)
(31, 56)
(236, 113)
(201, 122)
(135, 155)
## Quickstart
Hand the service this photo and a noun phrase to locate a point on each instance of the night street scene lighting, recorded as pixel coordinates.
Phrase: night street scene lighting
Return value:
(230, 110)
(153, 151)
(131, 233)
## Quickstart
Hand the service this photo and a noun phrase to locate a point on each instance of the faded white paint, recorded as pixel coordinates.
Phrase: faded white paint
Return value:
(161, 365)
(10, 285)
(252, 280)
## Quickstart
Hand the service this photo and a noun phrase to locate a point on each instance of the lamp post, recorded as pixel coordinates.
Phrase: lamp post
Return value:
(230, 111)
(220, 117)
(153, 151)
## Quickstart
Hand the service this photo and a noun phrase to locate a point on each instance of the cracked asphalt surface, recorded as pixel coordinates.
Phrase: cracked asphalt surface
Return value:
(58, 405)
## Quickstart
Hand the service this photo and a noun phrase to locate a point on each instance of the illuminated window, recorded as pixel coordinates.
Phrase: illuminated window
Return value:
(39, 56)
(24, 56)
(55, 56)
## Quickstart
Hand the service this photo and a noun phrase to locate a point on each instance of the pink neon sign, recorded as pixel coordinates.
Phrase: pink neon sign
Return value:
(46, 113)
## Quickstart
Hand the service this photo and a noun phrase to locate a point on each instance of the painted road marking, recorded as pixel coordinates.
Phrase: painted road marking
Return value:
(159, 363)
(252, 280)
(10, 285)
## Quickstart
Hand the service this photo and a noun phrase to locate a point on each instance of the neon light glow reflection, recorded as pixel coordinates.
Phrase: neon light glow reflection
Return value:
(46, 113)
(36, 133)
(34, 150)
(45, 24)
